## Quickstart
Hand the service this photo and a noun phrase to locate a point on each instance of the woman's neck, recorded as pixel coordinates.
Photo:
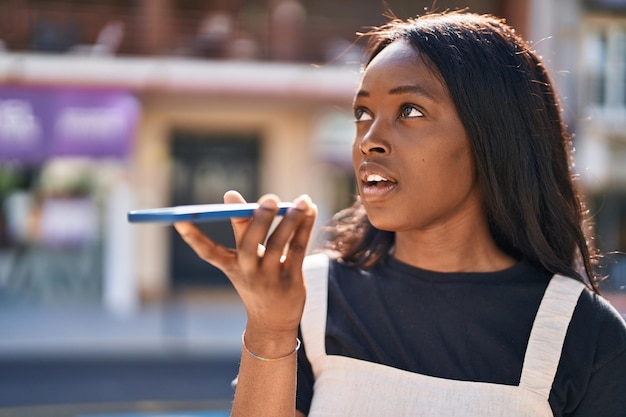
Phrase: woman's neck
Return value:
(452, 249)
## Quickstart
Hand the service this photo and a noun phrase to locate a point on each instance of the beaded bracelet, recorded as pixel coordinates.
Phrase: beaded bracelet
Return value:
(261, 358)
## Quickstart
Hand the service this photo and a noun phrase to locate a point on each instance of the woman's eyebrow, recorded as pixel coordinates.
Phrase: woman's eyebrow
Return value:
(413, 88)
(403, 89)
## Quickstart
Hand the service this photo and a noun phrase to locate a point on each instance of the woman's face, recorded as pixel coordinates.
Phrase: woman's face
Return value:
(411, 154)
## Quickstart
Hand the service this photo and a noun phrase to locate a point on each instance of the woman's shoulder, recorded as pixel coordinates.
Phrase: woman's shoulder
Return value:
(596, 318)
(603, 311)
(591, 377)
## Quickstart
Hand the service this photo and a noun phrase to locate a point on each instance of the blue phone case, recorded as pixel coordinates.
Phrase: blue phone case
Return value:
(198, 213)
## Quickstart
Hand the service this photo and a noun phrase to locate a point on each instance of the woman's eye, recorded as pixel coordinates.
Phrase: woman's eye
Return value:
(360, 115)
(408, 111)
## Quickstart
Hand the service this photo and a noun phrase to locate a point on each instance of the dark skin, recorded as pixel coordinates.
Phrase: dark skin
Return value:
(409, 133)
(270, 283)
(416, 178)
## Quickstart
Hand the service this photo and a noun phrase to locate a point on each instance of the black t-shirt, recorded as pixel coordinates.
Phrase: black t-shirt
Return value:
(471, 327)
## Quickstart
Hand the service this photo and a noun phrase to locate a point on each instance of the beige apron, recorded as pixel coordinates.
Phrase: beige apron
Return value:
(350, 387)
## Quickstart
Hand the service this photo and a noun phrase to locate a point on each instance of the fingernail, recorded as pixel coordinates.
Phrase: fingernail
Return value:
(268, 204)
(302, 202)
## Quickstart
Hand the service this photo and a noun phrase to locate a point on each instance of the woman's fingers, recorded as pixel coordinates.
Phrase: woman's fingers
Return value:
(300, 240)
(256, 232)
(239, 224)
(291, 236)
(205, 248)
(252, 263)
(232, 196)
(272, 289)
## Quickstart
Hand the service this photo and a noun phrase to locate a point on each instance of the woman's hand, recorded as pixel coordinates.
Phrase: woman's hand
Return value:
(265, 270)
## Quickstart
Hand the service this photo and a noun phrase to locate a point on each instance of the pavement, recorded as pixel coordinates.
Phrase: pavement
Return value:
(177, 358)
(206, 327)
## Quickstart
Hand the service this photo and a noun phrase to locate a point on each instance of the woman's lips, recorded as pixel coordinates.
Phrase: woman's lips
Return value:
(375, 186)
(376, 181)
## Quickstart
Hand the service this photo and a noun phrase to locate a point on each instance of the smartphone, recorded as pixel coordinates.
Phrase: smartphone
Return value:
(197, 213)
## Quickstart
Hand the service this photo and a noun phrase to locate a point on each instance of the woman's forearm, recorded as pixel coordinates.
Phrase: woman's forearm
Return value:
(266, 385)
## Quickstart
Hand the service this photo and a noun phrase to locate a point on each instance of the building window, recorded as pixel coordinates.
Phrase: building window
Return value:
(604, 63)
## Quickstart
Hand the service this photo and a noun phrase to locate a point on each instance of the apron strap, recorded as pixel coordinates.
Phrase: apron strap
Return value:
(547, 336)
(313, 323)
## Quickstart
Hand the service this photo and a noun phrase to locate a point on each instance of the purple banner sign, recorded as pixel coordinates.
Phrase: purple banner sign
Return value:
(38, 123)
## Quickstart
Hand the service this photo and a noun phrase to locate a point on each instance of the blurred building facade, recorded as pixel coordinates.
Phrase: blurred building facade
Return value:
(218, 95)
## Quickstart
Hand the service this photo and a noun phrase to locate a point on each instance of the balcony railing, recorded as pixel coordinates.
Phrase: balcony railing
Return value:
(176, 28)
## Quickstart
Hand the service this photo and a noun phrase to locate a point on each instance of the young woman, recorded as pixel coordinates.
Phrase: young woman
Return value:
(461, 282)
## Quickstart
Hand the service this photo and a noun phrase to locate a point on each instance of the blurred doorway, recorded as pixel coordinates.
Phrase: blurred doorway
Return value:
(205, 166)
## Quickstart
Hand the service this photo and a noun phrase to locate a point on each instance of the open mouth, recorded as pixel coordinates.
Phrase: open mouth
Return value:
(375, 180)
(376, 184)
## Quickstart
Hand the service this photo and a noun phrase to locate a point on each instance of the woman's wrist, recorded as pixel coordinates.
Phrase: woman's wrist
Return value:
(266, 359)
(270, 344)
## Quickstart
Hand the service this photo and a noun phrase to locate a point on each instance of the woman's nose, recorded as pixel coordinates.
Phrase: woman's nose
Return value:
(375, 139)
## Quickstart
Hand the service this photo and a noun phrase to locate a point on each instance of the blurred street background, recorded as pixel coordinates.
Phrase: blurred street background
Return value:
(108, 106)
